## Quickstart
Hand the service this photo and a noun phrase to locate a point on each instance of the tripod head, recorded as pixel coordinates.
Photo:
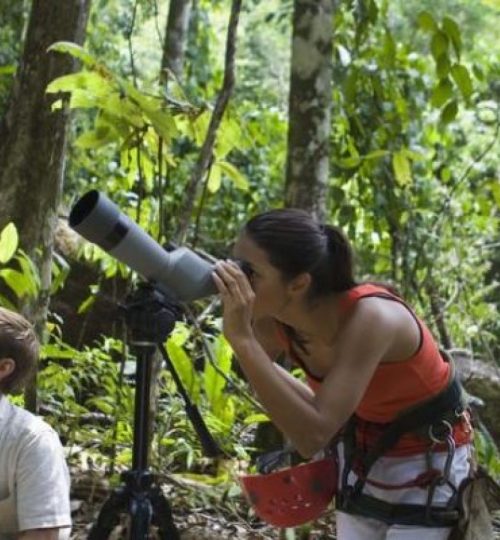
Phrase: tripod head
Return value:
(150, 314)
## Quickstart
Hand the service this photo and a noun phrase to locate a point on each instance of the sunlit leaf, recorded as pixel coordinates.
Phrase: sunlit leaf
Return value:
(214, 178)
(376, 154)
(234, 175)
(16, 281)
(256, 418)
(401, 167)
(9, 241)
(77, 51)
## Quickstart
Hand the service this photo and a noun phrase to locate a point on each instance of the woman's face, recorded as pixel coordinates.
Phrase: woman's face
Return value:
(270, 288)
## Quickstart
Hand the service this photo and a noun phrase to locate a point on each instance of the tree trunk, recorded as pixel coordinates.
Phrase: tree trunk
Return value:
(32, 151)
(310, 99)
(175, 39)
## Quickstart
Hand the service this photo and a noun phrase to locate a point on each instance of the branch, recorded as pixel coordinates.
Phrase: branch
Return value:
(205, 156)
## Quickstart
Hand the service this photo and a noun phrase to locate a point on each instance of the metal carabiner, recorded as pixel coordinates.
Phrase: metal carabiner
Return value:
(434, 438)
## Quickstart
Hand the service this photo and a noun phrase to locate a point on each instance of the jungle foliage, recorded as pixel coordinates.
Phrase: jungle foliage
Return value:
(414, 181)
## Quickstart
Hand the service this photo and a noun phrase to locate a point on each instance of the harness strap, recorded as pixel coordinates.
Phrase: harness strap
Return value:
(432, 419)
(401, 514)
(427, 417)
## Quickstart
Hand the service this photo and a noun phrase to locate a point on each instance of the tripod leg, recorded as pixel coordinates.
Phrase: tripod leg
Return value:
(162, 516)
(141, 514)
(109, 515)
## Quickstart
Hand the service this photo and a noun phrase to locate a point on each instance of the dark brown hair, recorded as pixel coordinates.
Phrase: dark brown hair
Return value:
(18, 341)
(296, 243)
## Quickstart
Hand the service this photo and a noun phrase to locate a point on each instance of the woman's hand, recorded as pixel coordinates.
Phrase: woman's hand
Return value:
(237, 298)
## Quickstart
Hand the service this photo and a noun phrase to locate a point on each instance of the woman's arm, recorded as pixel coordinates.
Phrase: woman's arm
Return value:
(311, 422)
(308, 421)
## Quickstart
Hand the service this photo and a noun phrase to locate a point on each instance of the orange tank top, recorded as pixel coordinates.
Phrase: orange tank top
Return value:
(395, 386)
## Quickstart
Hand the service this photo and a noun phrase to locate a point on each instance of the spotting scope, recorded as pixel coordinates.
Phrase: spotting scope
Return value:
(181, 273)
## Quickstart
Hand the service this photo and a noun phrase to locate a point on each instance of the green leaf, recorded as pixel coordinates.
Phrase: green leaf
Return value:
(7, 70)
(215, 178)
(443, 65)
(462, 78)
(86, 304)
(350, 85)
(256, 418)
(426, 21)
(228, 137)
(30, 271)
(449, 113)
(184, 367)
(234, 174)
(376, 154)
(16, 281)
(199, 126)
(349, 163)
(9, 240)
(389, 50)
(164, 124)
(442, 93)
(439, 44)
(412, 155)
(478, 72)
(495, 189)
(74, 50)
(96, 138)
(401, 167)
(452, 30)
(119, 106)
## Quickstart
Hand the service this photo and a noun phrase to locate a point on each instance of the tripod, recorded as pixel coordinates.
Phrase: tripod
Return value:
(150, 318)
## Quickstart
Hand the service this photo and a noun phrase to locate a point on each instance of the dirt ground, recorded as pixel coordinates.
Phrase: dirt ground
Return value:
(199, 513)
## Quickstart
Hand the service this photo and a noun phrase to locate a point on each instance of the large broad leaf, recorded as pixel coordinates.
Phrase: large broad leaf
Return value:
(17, 281)
(184, 367)
(214, 379)
(91, 81)
(9, 241)
(74, 50)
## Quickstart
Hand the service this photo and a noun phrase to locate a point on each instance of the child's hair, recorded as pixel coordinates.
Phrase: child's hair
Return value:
(18, 341)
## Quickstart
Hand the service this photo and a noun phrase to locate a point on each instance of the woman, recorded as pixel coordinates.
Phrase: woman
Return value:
(367, 358)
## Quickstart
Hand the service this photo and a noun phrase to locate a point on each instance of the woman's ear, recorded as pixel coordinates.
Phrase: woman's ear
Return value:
(300, 284)
(7, 366)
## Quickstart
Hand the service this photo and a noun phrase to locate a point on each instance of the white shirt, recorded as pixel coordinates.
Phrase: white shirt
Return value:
(34, 479)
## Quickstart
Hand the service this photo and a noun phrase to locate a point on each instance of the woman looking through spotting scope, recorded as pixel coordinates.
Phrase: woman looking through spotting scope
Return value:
(380, 395)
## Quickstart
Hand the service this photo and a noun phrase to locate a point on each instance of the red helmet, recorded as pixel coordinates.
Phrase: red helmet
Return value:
(292, 496)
